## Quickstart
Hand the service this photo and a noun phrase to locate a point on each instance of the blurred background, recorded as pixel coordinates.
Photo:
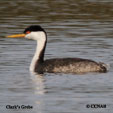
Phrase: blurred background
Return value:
(75, 28)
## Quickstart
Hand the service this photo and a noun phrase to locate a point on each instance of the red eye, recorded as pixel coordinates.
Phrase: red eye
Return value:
(27, 32)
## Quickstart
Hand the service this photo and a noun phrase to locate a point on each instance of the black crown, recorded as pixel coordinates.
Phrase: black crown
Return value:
(34, 28)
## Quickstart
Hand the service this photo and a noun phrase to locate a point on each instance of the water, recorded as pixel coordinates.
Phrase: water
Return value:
(75, 28)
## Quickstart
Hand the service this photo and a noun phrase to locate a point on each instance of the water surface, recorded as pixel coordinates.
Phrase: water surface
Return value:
(75, 28)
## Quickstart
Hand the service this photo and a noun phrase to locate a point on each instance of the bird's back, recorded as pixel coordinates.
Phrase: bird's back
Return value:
(72, 65)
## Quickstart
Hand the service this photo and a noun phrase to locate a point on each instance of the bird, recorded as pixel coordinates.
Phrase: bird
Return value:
(56, 65)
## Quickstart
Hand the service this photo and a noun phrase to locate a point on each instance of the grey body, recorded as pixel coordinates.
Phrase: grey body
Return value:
(70, 65)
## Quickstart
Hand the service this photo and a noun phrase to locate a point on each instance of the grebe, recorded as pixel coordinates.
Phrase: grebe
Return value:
(56, 65)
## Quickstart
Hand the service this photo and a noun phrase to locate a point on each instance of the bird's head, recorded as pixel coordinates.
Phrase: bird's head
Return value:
(34, 32)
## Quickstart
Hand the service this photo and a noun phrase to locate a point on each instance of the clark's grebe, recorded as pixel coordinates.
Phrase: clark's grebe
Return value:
(56, 65)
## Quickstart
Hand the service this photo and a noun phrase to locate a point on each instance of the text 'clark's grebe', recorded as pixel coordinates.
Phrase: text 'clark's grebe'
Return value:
(56, 65)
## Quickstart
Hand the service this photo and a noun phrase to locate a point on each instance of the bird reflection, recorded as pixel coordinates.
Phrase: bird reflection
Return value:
(39, 91)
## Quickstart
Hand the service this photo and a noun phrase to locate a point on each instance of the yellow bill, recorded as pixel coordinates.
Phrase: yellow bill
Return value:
(16, 36)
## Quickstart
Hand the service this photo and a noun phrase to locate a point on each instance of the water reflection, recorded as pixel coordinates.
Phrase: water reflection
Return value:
(39, 83)
(39, 90)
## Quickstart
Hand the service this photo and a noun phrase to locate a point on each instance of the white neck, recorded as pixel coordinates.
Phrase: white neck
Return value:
(40, 45)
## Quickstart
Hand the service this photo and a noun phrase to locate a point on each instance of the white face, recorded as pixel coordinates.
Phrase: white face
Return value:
(39, 35)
